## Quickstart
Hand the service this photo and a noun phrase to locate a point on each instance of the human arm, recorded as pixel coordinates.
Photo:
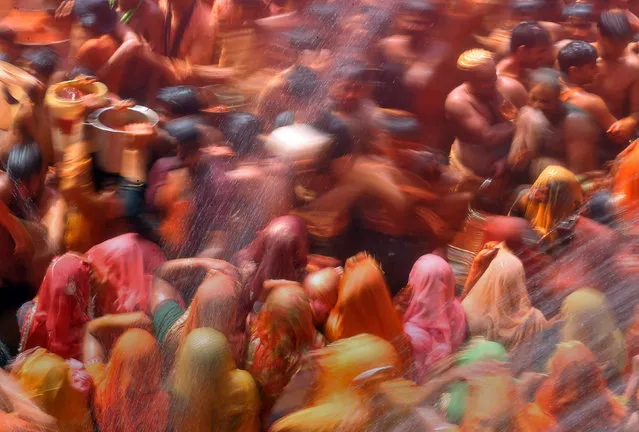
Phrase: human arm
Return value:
(54, 220)
(100, 330)
(473, 127)
(580, 136)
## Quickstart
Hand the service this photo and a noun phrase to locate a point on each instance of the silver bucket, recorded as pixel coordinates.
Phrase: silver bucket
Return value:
(108, 141)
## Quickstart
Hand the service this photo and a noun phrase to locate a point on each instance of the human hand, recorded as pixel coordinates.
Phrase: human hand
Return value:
(622, 130)
(65, 9)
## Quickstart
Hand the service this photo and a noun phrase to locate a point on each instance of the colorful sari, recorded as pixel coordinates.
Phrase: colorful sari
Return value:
(555, 196)
(215, 305)
(434, 322)
(587, 318)
(282, 334)
(130, 398)
(279, 252)
(230, 401)
(57, 387)
(124, 265)
(335, 402)
(364, 305)
(575, 392)
(498, 307)
(17, 412)
(626, 184)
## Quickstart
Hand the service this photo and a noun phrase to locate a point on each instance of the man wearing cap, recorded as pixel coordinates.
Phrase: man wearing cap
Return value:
(482, 111)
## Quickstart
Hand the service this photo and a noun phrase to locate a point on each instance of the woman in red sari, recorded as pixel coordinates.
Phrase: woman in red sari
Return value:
(113, 277)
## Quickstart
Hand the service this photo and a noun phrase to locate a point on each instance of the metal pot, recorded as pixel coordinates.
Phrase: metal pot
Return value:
(108, 141)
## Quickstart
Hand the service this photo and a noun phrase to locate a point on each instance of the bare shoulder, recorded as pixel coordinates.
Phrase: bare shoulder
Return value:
(631, 60)
(504, 65)
(457, 96)
(512, 90)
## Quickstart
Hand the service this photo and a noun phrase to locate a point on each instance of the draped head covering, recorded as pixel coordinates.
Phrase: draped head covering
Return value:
(279, 252)
(17, 412)
(63, 307)
(434, 322)
(475, 58)
(131, 399)
(58, 388)
(587, 318)
(230, 397)
(498, 306)
(124, 266)
(555, 196)
(575, 392)
(282, 333)
(626, 183)
(364, 306)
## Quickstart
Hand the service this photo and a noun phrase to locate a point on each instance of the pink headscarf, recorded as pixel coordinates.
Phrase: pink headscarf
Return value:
(126, 263)
(434, 321)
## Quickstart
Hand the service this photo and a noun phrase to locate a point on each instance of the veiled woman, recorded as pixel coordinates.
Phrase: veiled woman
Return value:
(575, 392)
(281, 335)
(279, 252)
(230, 401)
(498, 308)
(364, 306)
(434, 321)
(129, 395)
(113, 277)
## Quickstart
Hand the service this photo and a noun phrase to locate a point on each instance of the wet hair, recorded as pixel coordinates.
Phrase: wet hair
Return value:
(186, 132)
(528, 34)
(79, 71)
(302, 83)
(579, 10)
(42, 61)
(24, 161)
(419, 7)
(303, 38)
(523, 6)
(326, 13)
(351, 70)
(614, 25)
(241, 131)
(179, 100)
(546, 76)
(577, 54)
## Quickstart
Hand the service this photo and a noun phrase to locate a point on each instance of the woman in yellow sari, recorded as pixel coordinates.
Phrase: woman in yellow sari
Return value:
(208, 392)
(364, 305)
(587, 318)
(58, 387)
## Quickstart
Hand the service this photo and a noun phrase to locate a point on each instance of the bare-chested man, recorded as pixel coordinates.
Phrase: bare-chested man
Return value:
(578, 62)
(578, 24)
(530, 48)
(618, 79)
(481, 111)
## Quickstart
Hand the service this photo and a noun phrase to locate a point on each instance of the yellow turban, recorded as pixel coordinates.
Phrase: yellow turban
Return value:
(474, 58)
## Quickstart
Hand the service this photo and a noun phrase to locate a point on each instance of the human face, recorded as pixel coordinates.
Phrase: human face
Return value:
(418, 26)
(483, 81)
(611, 49)
(545, 99)
(348, 94)
(535, 57)
(578, 29)
(584, 75)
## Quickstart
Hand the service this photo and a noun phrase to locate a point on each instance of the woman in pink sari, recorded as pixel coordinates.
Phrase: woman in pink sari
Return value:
(434, 320)
(113, 277)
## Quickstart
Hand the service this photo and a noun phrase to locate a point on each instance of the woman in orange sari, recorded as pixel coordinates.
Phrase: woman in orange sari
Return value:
(575, 392)
(626, 184)
(364, 305)
(129, 395)
(282, 333)
(17, 412)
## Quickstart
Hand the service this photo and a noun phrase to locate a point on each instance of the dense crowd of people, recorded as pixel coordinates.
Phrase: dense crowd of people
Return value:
(314, 215)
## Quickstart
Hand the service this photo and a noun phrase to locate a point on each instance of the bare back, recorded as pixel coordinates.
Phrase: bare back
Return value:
(618, 85)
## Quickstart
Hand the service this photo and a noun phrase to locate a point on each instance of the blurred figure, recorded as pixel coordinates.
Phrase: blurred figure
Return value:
(231, 403)
(578, 24)
(530, 48)
(18, 413)
(322, 290)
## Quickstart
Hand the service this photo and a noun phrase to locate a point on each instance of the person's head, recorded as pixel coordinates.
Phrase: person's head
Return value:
(525, 10)
(186, 133)
(545, 88)
(615, 33)
(578, 20)
(302, 39)
(322, 289)
(398, 129)
(81, 71)
(24, 168)
(578, 62)
(530, 45)
(8, 45)
(40, 62)
(322, 16)
(348, 85)
(96, 16)
(241, 131)
(418, 18)
(478, 66)
(303, 87)
(176, 102)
